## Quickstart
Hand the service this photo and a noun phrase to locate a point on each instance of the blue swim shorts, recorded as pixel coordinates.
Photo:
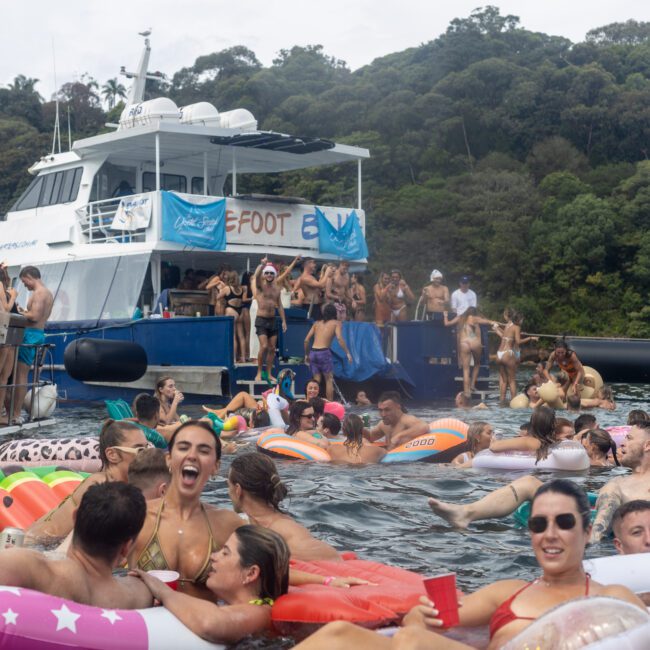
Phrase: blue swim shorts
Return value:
(32, 336)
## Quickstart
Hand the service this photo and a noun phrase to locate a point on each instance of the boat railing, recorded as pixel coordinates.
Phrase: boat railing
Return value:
(96, 221)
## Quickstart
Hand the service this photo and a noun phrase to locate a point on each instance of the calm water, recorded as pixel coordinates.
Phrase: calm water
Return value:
(381, 511)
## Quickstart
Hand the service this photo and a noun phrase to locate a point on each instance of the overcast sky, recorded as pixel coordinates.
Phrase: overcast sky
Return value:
(98, 37)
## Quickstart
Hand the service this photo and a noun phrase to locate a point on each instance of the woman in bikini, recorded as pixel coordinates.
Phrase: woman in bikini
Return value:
(559, 530)
(248, 573)
(119, 443)
(170, 397)
(234, 295)
(567, 361)
(469, 344)
(508, 354)
(7, 352)
(399, 297)
(355, 450)
(380, 291)
(479, 437)
(358, 297)
(181, 532)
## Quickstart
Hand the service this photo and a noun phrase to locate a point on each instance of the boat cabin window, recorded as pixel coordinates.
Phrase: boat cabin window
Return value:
(113, 181)
(169, 182)
(197, 185)
(50, 189)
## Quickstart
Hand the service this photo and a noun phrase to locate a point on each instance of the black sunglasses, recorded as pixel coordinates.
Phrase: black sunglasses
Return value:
(565, 521)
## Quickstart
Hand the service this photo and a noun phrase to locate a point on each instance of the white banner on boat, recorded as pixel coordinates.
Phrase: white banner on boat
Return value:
(267, 223)
(133, 213)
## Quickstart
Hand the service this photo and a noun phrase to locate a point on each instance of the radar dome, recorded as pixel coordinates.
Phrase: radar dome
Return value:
(161, 108)
(200, 113)
(240, 118)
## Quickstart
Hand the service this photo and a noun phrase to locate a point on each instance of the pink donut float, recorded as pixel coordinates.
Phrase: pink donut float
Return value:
(30, 620)
(618, 433)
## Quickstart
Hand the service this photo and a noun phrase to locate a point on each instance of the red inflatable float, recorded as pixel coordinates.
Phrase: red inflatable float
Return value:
(394, 592)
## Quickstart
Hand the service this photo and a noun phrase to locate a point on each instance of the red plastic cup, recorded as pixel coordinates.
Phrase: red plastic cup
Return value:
(442, 591)
(166, 314)
(170, 578)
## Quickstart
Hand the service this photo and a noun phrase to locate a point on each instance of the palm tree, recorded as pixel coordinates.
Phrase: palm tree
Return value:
(111, 90)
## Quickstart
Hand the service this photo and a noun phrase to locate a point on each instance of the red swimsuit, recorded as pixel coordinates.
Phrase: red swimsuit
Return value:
(504, 614)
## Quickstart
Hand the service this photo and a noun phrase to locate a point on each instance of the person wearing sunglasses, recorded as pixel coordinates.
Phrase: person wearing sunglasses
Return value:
(119, 443)
(302, 424)
(559, 531)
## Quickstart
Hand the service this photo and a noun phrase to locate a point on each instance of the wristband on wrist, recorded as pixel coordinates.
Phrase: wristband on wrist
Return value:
(327, 581)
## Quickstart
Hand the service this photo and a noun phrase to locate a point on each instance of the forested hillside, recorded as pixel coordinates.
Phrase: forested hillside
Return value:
(516, 157)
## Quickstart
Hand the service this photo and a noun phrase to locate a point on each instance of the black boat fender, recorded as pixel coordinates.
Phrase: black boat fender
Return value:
(104, 360)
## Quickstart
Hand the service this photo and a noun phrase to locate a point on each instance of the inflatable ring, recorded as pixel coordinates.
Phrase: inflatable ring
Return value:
(593, 621)
(42, 621)
(276, 443)
(446, 439)
(595, 375)
(548, 391)
(567, 455)
(631, 571)
(519, 402)
(77, 454)
(618, 433)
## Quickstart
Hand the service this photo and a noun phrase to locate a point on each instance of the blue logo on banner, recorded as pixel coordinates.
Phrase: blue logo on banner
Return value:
(194, 225)
(346, 242)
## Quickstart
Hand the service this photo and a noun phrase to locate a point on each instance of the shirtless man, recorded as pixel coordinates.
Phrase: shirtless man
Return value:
(320, 357)
(39, 308)
(399, 296)
(107, 522)
(396, 426)
(634, 453)
(311, 288)
(337, 289)
(267, 294)
(436, 295)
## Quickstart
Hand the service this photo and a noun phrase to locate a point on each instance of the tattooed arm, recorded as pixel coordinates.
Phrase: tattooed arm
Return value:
(609, 499)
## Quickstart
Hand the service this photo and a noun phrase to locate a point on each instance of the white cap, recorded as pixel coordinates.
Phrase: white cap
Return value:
(269, 268)
(436, 274)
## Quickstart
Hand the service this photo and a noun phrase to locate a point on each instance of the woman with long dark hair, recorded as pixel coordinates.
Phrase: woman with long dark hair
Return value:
(567, 361)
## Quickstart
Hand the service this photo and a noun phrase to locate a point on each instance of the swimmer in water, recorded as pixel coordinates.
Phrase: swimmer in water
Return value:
(479, 437)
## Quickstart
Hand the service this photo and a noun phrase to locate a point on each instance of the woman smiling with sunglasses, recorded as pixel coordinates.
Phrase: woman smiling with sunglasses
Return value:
(302, 424)
(119, 442)
(559, 529)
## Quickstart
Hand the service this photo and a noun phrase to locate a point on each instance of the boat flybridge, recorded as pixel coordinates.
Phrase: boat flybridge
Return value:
(92, 218)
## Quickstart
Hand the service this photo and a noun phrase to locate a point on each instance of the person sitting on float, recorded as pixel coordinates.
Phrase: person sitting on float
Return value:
(106, 523)
(181, 532)
(170, 397)
(567, 360)
(599, 446)
(559, 527)
(355, 450)
(540, 437)
(302, 423)
(146, 409)
(479, 437)
(119, 443)
(248, 573)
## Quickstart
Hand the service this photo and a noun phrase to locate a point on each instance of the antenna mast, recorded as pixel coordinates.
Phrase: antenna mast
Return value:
(56, 136)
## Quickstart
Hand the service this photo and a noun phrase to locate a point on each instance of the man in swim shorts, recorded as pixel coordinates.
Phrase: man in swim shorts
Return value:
(320, 357)
(267, 293)
(312, 289)
(437, 296)
(39, 307)
(337, 289)
(107, 523)
(397, 426)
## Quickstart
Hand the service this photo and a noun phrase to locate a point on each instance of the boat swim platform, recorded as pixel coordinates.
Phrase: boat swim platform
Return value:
(7, 429)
